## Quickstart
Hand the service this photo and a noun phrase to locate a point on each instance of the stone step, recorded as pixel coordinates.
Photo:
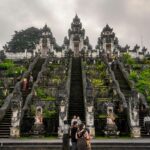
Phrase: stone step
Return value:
(76, 104)
(96, 145)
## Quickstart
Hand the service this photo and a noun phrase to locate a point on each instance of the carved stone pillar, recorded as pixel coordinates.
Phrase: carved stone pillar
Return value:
(62, 117)
(134, 116)
(16, 115)
(90, 120)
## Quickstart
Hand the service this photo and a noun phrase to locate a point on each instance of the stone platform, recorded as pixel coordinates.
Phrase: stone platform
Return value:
(56, 144)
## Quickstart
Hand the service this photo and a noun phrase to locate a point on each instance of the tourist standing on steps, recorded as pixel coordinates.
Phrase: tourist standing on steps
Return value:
(30, 80)
(73, 119)
(66, 131)
(83, 138)
(73, 135)
(24, 84)
(79, 120)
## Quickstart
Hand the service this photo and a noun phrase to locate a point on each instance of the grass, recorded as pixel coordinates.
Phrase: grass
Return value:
(112, 137)
(42, 138)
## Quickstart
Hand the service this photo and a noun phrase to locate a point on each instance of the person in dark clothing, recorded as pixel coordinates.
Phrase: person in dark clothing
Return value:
(66, 130)
(73, 135)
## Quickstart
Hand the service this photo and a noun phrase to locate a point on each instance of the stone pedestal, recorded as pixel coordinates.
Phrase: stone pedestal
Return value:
(15, 132)
(60, 133)
(92, 132)
(136, 132)
(38, 129)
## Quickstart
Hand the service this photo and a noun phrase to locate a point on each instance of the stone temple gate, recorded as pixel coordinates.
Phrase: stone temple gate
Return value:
(54, 83)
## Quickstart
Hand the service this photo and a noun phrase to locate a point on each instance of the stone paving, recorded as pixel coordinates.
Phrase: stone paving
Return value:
(139, 140)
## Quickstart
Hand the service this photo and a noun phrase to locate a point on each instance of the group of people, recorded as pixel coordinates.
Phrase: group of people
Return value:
(79, 135)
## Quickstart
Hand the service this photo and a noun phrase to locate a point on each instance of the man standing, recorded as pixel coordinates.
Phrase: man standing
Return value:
(73, 135)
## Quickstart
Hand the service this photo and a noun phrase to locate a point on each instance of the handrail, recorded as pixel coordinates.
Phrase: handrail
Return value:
(121, 95)
(84, 86)
(68, 83)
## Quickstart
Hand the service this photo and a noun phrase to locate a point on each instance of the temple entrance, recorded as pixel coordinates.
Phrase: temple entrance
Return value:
(76, 49)
(44, 51)
(108, 50)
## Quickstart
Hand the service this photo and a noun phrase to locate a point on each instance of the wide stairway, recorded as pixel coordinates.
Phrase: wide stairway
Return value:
(5, 125)
(124, 86)
(76, 101)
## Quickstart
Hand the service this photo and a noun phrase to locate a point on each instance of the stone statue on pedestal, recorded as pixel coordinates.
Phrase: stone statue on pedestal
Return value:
(62, 117)
(111, 128)
(38, 128)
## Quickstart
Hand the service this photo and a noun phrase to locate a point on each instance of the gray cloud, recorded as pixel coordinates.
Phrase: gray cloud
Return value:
(128, 18)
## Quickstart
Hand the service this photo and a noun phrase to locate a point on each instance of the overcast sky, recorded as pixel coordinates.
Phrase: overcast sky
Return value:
(130, 19)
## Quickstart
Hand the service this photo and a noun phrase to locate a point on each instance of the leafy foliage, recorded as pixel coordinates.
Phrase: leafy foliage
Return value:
(133, 76)
(24, 39)
(41, 93)
(127, 59)
(97, 82)
(143, 83)
(6, 64)
(11, 69)
(49, 113)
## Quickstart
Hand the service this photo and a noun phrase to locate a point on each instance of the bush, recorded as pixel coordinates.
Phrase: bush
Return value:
(97, 82)
(127, 59)
(41, 93)
(6, 64)
(49, 113)
(143, 84)
(133, 76)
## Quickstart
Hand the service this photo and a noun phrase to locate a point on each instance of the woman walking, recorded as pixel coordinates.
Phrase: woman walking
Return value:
(83, 138)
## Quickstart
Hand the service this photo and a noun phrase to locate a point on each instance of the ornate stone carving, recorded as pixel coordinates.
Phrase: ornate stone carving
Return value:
(62, 117)
(111, 128)
(136, 132)
(134, 112)
(16, 105)
(38, 128)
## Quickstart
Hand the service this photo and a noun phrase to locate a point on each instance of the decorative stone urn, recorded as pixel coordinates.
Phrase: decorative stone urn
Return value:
(136, 132)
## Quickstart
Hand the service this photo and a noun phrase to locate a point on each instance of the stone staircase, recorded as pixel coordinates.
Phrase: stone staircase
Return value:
(35, 72)
(76, 101)
(27, 122)
(124, 86)
(37, 68)
(126, 90)
(5, 125)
